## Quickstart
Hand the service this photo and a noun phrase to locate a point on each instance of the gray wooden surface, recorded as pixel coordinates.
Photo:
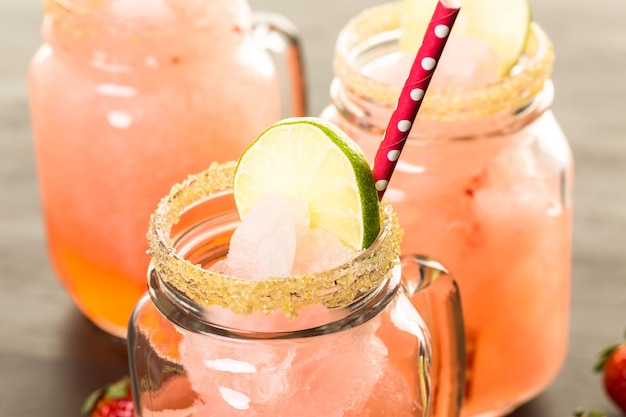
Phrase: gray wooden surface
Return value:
(50, 357)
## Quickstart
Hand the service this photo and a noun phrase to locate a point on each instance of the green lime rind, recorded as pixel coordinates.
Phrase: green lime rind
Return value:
(362, 172)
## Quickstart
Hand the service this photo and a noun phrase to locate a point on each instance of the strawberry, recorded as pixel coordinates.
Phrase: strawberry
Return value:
(114, 400)
(612, 364)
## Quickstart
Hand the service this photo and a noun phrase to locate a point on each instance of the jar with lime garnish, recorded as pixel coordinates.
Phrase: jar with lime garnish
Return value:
(276, 289)
(484, 183)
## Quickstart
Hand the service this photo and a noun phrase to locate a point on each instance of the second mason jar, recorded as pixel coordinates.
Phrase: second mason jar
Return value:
(128, 97)
(483, 185)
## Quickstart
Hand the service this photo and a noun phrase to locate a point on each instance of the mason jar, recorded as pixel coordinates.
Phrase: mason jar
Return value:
(483, 185)
(375, 336)
(128, 97)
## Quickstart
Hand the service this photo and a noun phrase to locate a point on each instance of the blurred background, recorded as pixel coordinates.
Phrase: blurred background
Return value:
(51, 358)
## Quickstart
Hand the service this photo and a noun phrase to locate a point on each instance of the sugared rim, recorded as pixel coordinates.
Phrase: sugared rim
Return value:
(72, 13)
(508, 95)
(337, 287)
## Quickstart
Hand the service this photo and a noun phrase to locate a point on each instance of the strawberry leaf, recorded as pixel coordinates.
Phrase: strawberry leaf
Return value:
(602, 358)
(580, 412)
(91, 400)
(118, 389)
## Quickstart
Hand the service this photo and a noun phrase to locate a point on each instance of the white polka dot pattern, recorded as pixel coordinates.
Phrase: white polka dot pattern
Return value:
(393, 155)
(417, 94)
(428, 63)
(412, 94)
(381, 185)
(441, 31)
(404, 125)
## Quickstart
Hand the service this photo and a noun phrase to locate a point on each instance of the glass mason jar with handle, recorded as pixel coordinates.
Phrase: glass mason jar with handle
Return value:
(128, 97)
(342, 342)
(483, 185)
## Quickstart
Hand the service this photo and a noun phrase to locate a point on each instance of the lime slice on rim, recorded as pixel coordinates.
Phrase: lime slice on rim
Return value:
(504, 25)
(315, 160)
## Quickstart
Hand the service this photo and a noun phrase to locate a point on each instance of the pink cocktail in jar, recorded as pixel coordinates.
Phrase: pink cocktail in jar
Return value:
(126, 98)
(347, 337)
(483, 185)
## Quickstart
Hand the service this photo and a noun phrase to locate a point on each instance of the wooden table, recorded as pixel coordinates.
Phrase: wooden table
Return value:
(51, 357)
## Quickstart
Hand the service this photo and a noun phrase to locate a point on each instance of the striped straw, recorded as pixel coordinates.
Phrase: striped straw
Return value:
(413, 92)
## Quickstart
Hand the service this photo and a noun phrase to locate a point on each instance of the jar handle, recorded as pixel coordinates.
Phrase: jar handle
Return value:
(279, 36)
(435, 295)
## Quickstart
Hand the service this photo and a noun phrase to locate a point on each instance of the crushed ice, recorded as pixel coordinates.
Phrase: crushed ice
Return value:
(275, 239)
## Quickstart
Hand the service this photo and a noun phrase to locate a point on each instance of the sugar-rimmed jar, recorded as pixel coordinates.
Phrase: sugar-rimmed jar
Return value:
(128, 97)
(343, 342)
(483, 185)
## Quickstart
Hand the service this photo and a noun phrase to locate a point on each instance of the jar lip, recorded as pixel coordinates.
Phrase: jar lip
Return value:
(195, 16)
(336, 287)
(507, 95)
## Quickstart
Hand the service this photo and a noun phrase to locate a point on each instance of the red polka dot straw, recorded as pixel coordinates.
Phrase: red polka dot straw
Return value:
(413, 92)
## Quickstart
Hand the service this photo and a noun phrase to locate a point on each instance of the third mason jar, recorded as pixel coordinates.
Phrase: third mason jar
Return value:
(484, 185)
